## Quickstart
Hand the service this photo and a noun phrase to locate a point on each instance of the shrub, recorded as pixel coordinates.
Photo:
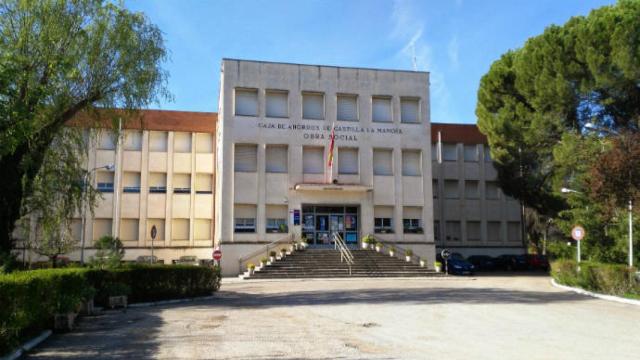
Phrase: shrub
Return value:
(613, 279)
(408, 252)
(29, 299)
(272, 253)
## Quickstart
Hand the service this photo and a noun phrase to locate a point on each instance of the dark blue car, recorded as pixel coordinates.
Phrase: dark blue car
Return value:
(457, 265)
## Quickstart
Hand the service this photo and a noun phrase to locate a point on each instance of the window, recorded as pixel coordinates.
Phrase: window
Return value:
(131, 182)
(133, 140)
(451, 189)
(347, 108)
(182, 142)
(492, 190)
(513, 231)
(494, 231)
(452, 229)
(204, 143)
(158, 141)
(449, 152)
(348, 161)
(246, 103)
(246, 158)
(106, 140)
(245, 225)
(313, 160)
(434, 152)
(276, 159)
(202, 229)
(157, 183)
(487, 154)
(128, 229)
(101, 227)
(75, 228)
(412, 220)
(159, 223)
(381, 109)
(276, 225)
(436, 231)
(180, 229)
(313, 106)
(277, 103)
(471, 153)
(473, 231)
(471, 189)
(410, 110)
(382, 162)
(105, 181)
(244, 218)
(181, 183)
(411, 164)
(204, 184)
(434, 188)
(383, 219)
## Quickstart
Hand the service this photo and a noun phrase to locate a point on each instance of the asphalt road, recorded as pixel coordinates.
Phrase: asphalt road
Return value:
(510, 317)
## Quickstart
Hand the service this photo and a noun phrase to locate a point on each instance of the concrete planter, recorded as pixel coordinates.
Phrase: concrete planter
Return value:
(365, 246)
(407, 258)
(438, 268)
(378, 248)
(64, 322)
(118, 301)
(87, 308)
(423, 263)
(392, 253)
(272, 259)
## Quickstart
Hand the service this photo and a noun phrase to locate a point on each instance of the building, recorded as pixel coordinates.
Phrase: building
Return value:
(471, 214)
(258, 170)
(273, 149)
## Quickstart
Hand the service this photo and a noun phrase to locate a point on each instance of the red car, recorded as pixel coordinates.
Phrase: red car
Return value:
(538, 262)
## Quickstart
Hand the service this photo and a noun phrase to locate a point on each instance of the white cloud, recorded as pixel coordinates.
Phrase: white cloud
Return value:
(408, 31)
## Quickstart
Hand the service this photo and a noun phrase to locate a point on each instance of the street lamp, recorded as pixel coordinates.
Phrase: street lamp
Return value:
(85, 178)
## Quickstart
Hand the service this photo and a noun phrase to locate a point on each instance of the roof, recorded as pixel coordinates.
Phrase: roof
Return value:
(457, 133)
(160, 120)
(325, 66)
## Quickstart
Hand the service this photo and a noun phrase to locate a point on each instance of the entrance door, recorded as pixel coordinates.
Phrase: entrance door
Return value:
(319, 222)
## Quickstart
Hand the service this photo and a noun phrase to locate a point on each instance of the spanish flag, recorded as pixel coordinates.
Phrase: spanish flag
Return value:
(332, 138)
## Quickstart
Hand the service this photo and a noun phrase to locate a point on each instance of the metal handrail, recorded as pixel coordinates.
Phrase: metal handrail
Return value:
(399, 249)
(264, 251)
(345, 253)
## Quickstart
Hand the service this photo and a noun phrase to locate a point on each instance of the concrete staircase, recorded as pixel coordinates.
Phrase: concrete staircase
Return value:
(325, 263)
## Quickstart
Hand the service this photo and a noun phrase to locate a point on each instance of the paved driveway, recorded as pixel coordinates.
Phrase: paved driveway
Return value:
(470, 318)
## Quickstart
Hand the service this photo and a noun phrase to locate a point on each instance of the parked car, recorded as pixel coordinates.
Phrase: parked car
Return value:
(457, 264)
(538, 262)
(482, 262)
(512, 262)
(147, 259)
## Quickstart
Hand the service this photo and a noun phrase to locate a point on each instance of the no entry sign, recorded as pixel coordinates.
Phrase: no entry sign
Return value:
(577, 233)
(217, 254)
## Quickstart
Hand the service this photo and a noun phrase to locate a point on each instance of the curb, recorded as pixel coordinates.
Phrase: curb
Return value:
(427, 278)
(169, 302)
(596, 295)
(27, 346)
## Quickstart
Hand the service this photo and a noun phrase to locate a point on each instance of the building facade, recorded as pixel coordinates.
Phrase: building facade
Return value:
(273, 154)
(471, 214)
(258, 170)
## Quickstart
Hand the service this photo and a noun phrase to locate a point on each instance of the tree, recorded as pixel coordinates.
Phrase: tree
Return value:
(57, 60)
(109, 252)
(585, 71)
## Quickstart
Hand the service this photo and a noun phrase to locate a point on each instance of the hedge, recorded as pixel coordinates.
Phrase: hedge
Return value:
(612, 279)
(29, 299)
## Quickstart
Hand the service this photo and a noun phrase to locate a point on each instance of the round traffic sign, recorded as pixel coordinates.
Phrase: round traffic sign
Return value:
(217, 254)
(577, 233)
(154, 232)
(445, 253)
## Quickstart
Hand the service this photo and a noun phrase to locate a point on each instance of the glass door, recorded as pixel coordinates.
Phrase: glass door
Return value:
(320, 221)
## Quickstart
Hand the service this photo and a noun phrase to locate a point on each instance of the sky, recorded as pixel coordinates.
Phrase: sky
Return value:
(455, 40)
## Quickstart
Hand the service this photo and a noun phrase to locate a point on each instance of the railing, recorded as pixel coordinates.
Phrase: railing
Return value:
(400, 252)
(283, 242)
(345, 253)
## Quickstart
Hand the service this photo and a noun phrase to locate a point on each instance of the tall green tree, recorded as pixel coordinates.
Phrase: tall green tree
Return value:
(586, 71)
(57, 59)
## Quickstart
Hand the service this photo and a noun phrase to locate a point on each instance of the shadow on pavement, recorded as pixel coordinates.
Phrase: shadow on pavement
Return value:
(113, 335)
(397, 295)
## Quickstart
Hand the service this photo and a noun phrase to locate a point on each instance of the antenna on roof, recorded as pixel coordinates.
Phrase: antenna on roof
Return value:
(413, 56)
